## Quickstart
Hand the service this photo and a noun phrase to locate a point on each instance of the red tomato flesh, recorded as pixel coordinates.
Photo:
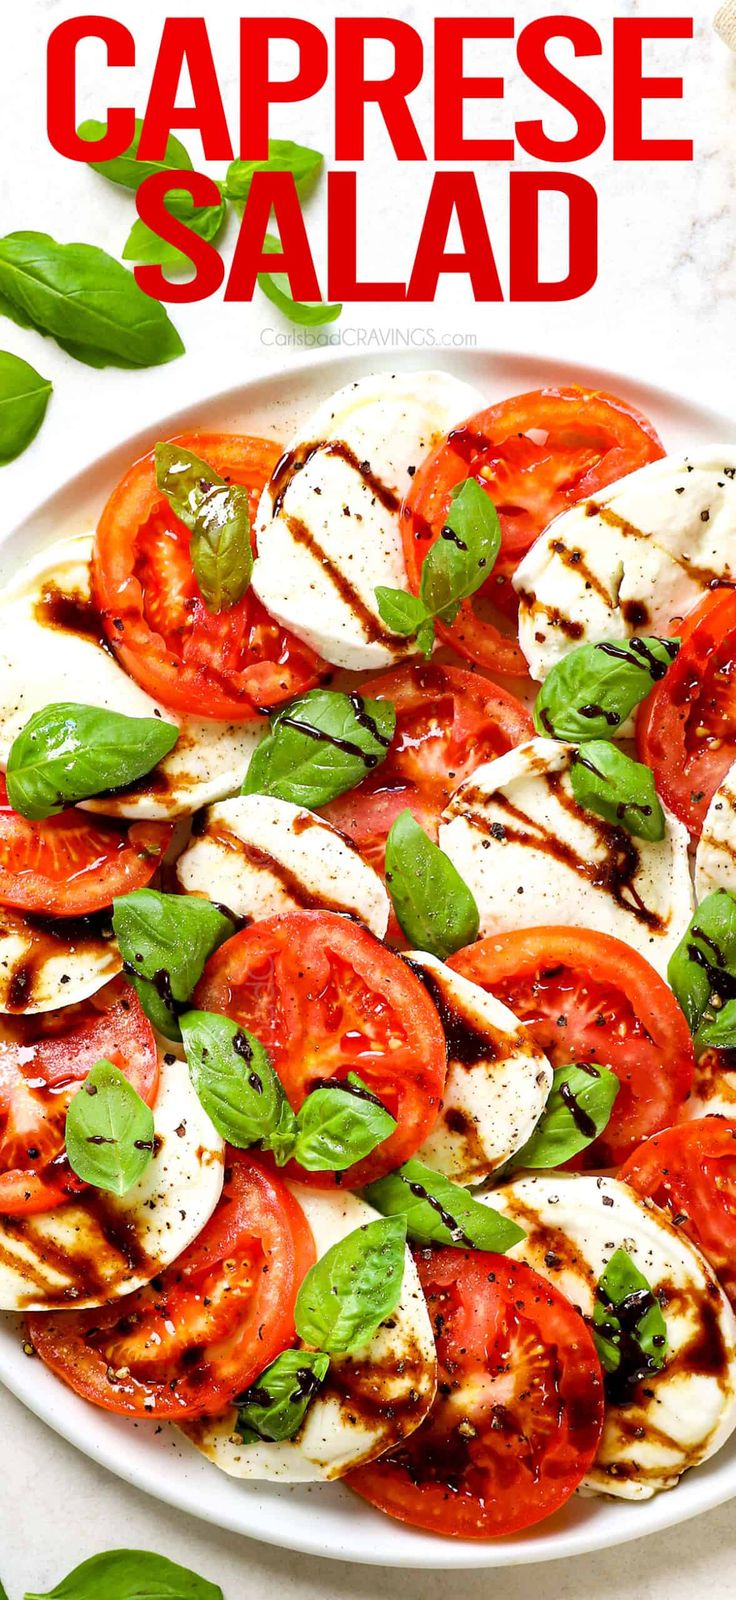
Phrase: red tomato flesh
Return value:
(690, 1172)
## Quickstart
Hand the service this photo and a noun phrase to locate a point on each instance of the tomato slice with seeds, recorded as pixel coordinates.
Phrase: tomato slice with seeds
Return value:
(588, 998)
(326, 998)
(188, 1343)
(690, 1172)
(43, 1060)
(686, 728)
(448, 722)
(74, 864)
(226, 666)
(519, 1410)
(535, 455)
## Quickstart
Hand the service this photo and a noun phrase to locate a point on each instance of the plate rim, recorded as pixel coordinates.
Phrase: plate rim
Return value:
(705, 1489)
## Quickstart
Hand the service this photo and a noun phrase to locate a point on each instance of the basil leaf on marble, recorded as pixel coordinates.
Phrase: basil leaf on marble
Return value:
(283, 156)
(127, 169)
(277, 289)
(68, 752)
(320, 745)
(593, 689)
(434, 906)
(80, 296)
(109, 1131)
(143, 245)
(622, 791)
(24, 396)
(438, 1211)
(131, 1575)
(351, 1290)
(274, 1407)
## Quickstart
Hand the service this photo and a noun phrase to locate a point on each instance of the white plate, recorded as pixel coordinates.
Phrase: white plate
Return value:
(327, 1520)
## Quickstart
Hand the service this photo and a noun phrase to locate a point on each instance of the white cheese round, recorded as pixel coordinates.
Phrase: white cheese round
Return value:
(715, 857)
(48, 964)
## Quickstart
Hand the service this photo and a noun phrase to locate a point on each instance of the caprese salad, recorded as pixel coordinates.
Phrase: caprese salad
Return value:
(368, 951)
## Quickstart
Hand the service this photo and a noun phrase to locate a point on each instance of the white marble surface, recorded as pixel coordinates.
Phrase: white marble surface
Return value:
(664, 309)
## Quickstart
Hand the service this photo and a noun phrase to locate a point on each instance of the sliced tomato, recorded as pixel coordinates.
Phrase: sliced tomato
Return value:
(73, 864)
(686, 729)
(447, 723)
(43, 1060)
(519, 1410)
(326, 998)
(690, 1172)
(188, 1343)
(228, 665)
(588, 998)
(535, 455)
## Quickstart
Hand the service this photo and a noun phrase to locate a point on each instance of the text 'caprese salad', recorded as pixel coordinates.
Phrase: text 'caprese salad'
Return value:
(367, 1023)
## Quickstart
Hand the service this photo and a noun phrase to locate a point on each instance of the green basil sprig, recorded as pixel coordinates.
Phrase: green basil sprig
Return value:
(237, 1085)
(434, 906)
(109, 1130)
(283, 156)
(128, 170)
(24, 396)
(454, 568)
(578, 1110)
(274, 1407)
(131, 1575)
(620, 790)
(626, 1315)
(217, 516)
(320, 745)
(337, 1125)
(277, 289)
(69, 752)
(143, 245)
(351, 1290)
(702, 972)
(593, 689)
(437, 1211)
(165, 941)
(85, 300)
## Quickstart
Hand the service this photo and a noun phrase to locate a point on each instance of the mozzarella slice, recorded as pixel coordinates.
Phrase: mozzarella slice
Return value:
(52, 648)
(55, 962)
(715, 857)
(497, 1080)
(328, 524)
(260, 856)
(681, 1415)
(369, 1401)
(633, 559)
(99, 1247)
(532, 856)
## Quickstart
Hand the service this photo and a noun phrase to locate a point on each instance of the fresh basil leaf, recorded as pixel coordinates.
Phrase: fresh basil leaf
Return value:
(622, 791)
(88, 302)
(578, 1109)
(277, 289)
(274, 1407)
(434, 907)
(628, 1326)
(237, 1085)
(401, 611)
(127, 169)
(464, 555)
(283, 156)
(218, 518)
(109, 1131)
(702, 972)
(70, 752)
(24, 396)
(131, 1575)
(165, 941)
(351, 1290)
(340, 1123)
(143, 245)
(438, 1211)
(593, 689)
(320, 745)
